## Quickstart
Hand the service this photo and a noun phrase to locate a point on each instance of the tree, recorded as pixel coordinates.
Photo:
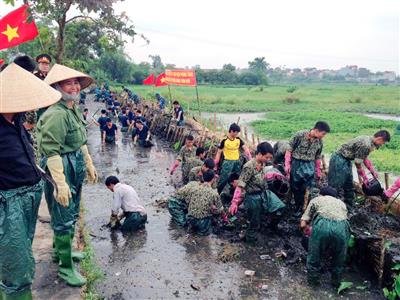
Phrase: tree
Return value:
(250, 78)
(102, 13)
(157, 64)
(259, 65)
(117, 66)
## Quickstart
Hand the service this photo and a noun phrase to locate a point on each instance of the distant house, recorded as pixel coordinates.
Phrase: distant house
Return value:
(348, 71)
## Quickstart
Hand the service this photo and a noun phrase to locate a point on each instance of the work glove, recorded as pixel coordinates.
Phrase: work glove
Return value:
(370, 167)
(174, 167)
(62, 193)
(235, 201)
(361, 172)
(288, 160)
(318, 171)
(113, 221)
(91, 171)
(393, 188)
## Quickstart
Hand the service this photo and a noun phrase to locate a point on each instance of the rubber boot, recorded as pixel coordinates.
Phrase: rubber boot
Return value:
(77, 256)
(25, 295)
(66, 269)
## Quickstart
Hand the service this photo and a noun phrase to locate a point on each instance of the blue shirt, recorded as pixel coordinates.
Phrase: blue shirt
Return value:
(177, 110)
(161, 102)
(102, 122)
(142, 134)
(123, 120)
(116, 103)
(110, 131)
(141, 118)
(131, 116)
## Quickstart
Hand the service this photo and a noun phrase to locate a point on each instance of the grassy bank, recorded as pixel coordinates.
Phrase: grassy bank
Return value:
(350, 98)
(89, 268)
(279, 125)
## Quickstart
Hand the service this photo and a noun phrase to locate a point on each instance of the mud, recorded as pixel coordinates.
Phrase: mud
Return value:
(167, 262)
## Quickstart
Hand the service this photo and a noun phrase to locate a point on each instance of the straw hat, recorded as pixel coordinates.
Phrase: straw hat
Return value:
(60, 73)
(22, 91)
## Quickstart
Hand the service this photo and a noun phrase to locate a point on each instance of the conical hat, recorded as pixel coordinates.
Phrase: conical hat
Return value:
(22, 91)
(59, 73)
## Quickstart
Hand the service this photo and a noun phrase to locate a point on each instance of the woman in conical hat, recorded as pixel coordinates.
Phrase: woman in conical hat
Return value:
(21, 185)
(61, 137)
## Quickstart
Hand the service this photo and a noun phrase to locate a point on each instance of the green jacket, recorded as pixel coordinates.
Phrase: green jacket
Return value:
(61, 130)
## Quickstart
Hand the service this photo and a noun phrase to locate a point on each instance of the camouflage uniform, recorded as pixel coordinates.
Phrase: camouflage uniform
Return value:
(340, 174)
(330, 235)
(31, 118)
(189, 165)
(183, 156)
(178, 205)
(257, 199)
(280, 149)
(302, 174)
(196, 174)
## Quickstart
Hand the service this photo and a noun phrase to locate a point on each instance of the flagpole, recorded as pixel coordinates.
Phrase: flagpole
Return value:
(170, 96)
(198, 101)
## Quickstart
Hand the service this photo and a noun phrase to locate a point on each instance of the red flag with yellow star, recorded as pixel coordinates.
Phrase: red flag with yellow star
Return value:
(160, 80)
(15, 28)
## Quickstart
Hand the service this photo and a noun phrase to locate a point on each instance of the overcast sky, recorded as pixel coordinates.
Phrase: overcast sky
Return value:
(291, 33)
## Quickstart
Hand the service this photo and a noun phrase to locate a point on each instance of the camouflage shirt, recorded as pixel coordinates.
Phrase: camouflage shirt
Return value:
(190, 164)
(304, 148)
(196, 174)
(357, 149)
(252, 177)
(200, 197)
(327, 207)
(186, 153)
(280, 149)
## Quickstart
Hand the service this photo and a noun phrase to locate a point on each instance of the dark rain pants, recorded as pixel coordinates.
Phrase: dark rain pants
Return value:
(18, 214)
(200, 226)
(133, 221)
(178, 210)
(328, 237)
(302, 177)
(228, 167)
(340, 177)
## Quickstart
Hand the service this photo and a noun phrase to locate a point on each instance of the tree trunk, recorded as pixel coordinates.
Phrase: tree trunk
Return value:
(60, 40)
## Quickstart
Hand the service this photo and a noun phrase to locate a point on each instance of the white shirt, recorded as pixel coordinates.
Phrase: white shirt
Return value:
(126, 198)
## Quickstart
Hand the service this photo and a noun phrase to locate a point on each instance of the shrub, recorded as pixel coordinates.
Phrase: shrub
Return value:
(291, 100)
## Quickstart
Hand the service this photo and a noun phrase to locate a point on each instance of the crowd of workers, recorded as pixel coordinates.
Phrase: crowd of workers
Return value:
(39, 110)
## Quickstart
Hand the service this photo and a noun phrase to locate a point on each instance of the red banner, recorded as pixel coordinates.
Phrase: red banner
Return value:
(180, 77)
(16, 29)
(149, 80)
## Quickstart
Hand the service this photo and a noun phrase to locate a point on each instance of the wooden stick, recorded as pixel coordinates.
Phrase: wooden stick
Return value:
(306, 199)
(386, 180)
(258, 139)
(253, 139)
(245, 135)
(238, 120)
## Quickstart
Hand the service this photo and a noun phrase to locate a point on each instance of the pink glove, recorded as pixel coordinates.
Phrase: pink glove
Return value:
(174, 167)
(273, 176)
(362, 174)
(235, 201)
(248, 154)
(308, 231)
(370, 167)
(318, 170)
(224, 218)
(288, 159)
(393, 188)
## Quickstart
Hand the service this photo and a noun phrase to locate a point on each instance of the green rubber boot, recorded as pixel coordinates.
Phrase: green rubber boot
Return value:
(77, 256)
(66, 269)
(25, 295)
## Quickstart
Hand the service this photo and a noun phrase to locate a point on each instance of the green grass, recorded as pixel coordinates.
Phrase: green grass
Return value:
(90, 269)
(339, 104)
(350, 98)
(345, 126)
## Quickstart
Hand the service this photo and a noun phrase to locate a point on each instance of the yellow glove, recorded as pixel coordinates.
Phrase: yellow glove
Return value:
(91, 171)
(56, 168)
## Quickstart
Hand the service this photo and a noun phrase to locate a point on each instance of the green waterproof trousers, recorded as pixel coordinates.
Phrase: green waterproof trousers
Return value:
(228, 167)
(178, 210)
(63, 219)
(133, 221)
(302, 176)
(18, 214)
(340, 177)
(328, 237)
(257, 205)
(200, 226)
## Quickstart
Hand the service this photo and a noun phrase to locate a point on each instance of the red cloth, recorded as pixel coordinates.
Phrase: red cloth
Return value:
(149, 80)
(15, 28)
(160, 80)
(1, 61)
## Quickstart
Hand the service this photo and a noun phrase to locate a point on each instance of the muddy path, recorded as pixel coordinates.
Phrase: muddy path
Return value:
(166, 262)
